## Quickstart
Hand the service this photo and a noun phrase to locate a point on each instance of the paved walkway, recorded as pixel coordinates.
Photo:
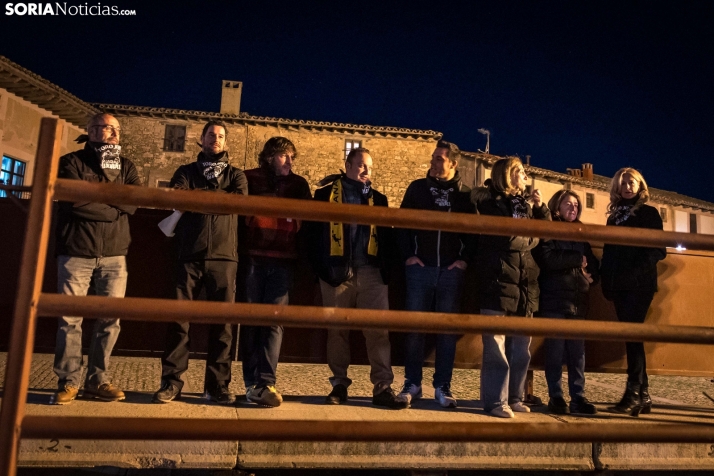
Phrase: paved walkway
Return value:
(676, 399)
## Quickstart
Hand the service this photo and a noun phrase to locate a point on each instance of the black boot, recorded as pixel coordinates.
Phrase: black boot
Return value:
(631, 402)
(646, 399)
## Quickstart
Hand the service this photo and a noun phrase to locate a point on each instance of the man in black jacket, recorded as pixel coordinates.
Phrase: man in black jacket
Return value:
(92, 242)
(350, 261)
(435, 263)
(208, 260)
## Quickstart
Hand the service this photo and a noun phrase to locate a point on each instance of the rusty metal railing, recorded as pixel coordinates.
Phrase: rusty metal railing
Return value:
(31, 302)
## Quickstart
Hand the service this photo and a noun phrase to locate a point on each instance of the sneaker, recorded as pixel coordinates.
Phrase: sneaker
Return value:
(520, 407)
(221, 394)
(337, 396)
(387, 398)
(558, 406)
(443, 395)
(410, 392)
(105, 391)
(582, 406)
(504, 411)
(167, 393)
(64, 396)
(266, 396)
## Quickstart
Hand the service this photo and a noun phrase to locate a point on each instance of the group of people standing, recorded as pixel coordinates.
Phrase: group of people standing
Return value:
(516, 276)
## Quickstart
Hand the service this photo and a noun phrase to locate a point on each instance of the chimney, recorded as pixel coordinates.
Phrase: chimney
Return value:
(230, 97)
(588, 171)
(574, 172)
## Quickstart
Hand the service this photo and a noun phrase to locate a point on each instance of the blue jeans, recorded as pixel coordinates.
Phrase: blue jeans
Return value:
(437, 289)
(261, 344)
(74, 275)
(573, 352)
(504, 368)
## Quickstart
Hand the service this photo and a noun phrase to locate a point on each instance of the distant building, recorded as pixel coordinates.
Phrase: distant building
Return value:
(158, 140)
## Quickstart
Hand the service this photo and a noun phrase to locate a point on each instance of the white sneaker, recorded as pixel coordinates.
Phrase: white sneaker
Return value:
(504, 411)
(444, 397)
(409, 392)
(520, 407)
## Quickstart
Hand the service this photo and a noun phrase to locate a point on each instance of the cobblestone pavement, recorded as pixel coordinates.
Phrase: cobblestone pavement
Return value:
(142, 374)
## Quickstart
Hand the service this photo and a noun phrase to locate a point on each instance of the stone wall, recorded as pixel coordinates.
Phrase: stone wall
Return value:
(397, 161)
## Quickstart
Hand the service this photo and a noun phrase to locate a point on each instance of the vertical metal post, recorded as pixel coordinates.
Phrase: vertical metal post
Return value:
(32, 267)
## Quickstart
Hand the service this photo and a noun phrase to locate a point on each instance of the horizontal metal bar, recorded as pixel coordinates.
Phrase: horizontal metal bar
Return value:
(15, 188)
(330, 430)
(167, 310)
(192, 200)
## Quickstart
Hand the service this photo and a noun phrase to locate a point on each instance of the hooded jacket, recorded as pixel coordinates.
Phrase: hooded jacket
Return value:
(507, 274)
(266, 238)
(204, 236)
(434, 247)
(563, 286)
(628, 268)
(88, 229)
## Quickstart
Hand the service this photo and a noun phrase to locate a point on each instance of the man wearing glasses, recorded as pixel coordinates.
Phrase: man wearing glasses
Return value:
(92, 242)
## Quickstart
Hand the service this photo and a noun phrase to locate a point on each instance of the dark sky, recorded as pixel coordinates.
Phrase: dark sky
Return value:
(612, 83)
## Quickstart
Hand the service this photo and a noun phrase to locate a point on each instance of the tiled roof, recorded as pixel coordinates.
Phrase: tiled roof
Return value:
(602, 183)
(37, 90)
(245, 118)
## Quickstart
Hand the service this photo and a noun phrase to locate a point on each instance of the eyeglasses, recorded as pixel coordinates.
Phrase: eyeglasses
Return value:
(108, 128)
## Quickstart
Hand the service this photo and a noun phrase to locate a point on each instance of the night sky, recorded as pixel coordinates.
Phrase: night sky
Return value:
(612, 83)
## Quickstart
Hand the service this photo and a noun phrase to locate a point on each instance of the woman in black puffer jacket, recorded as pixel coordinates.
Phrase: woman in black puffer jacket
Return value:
(508, 286)
(567, 269)
(629, 278)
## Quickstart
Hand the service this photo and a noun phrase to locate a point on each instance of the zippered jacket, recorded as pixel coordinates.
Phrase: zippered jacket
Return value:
(89, 229)
(506, 273)
(435, 247)
(563, 286)
(203, 236)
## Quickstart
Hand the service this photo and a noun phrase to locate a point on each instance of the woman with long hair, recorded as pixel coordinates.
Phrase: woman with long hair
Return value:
(508, 286)
(629, 278)
(567, 269)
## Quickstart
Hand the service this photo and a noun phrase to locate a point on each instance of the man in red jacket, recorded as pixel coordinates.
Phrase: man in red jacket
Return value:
(271, 249)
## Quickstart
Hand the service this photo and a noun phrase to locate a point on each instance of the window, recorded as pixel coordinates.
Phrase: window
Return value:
(163, 183)
(663, 214)
(351, 144)
(589, 200)
(12, 173)
(174, 138)
(692, 223)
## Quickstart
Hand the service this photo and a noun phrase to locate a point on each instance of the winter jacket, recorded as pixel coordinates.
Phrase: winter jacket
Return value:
(89, 229)
(268, 239)
(627, 268)
(563, 286)
(204, 236)
(335, 270)
(434, 247)
(507, 275)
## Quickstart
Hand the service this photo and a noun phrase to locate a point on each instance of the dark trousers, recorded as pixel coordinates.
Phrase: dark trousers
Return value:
(218, 279)
(632, 306)
(260, 345)
(572, 351)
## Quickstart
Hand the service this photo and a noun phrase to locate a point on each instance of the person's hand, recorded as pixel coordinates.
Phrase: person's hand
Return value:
(413, 260)
(537, 198)
(585, 263)
(461, 264)
(587, 275)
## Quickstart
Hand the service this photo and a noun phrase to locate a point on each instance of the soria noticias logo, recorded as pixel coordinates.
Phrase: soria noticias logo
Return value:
(65, 9)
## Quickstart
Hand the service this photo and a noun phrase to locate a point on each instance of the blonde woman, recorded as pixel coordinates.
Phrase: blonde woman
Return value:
(629, 278)
(508, 286)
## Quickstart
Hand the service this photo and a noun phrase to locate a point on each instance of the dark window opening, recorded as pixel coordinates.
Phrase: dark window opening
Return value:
(174, 138)
(13, 173)
(589, 200)
(663, 214)
(692, 223)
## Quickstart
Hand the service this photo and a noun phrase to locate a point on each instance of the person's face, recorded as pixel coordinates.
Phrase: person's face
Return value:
(629, 186)
(441, 166)
(568, 209)
(105, 129)
(214, 140)
(360, 169)
(519, 178)
(282, 162)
